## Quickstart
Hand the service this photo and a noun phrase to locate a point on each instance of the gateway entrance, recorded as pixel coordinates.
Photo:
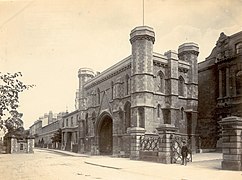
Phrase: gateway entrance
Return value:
(106, 136)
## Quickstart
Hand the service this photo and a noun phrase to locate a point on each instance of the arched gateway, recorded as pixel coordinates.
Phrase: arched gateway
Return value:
(105, 135)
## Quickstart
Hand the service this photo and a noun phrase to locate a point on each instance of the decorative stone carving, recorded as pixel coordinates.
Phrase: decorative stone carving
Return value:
(184, 70)
(142, 37)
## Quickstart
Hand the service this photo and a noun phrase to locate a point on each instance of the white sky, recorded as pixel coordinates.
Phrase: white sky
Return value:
(48, 41)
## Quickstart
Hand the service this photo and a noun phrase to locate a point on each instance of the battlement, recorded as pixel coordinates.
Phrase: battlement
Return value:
(142, 32)
(86, 71)
(188, 48)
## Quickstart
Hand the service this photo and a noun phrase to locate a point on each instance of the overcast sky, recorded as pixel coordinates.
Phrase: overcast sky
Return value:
(48, 41)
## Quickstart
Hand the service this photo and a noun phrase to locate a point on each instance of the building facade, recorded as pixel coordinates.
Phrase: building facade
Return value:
(45, 127)
(70, 131)
(220, 88)
(146, 90)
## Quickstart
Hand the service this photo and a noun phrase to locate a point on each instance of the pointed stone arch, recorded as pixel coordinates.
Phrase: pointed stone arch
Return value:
(181, 86)
(127, 84)
(104, 133)
(160, 82)
(127, 115)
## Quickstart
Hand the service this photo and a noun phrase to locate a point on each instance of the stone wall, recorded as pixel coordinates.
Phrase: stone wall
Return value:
(232, 143)
(20, 145)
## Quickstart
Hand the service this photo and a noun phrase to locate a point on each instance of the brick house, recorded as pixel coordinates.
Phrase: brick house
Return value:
(220, 88)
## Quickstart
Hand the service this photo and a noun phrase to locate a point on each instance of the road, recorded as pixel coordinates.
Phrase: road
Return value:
(49, 165)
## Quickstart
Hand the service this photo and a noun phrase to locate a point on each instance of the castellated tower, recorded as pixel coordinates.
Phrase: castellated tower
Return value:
(142, 39)
(189, 52)
(84, 74)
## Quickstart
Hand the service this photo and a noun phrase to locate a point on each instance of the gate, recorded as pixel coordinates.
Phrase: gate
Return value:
(149, 147)
(176, 144)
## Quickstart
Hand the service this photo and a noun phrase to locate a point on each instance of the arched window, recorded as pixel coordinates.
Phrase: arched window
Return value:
(127, 82)
(181, 84)
(238, 48)
(160, 82)
(224, 82)
(67, 122)
(86, 123)
(141, 114)
(112, 90)
(166, 116)
(98, 96)
(158, 110)
(93, 117)
(239, 83)
(182, 113)
(127, 111)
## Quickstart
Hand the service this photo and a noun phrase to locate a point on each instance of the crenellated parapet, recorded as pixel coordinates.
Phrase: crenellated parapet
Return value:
(142, 33)
(187, 48)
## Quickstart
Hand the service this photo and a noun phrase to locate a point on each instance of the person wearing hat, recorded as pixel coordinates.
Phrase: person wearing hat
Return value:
(184, 153)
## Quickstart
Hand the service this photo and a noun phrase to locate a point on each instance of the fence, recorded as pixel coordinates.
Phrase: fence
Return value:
(149, 147)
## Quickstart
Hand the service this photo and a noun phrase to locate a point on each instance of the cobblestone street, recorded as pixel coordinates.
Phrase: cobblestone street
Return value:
(53, 165)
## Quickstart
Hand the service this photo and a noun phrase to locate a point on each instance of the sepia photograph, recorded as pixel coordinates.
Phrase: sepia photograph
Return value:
(120, 89)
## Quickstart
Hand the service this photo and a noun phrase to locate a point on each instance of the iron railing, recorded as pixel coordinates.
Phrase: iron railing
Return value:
(149, 143)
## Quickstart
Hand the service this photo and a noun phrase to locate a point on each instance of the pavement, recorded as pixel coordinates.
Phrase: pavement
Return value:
(204, 166)
(68, 153)
(206, 160)
(51, 164)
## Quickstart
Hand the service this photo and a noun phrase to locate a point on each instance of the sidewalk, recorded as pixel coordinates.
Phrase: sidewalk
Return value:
(204, 166)
(205, 160)
(68, 153)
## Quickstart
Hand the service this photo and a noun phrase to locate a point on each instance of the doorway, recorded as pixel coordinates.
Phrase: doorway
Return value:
(106, 136)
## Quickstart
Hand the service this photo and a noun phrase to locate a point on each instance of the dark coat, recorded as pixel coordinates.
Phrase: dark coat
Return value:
(184, 151)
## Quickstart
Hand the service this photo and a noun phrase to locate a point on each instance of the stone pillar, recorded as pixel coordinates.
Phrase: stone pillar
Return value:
(65, 140)
(165, 131)
(13, 145)
(193, 136)
(30, 145)
(81, 138)
(227, 83)
(220, 84)
(135, 134)
(173, 79)
(234, 84)
(232, 143)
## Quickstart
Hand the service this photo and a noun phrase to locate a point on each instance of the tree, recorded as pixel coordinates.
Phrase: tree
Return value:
(57, 136)
(10, 87)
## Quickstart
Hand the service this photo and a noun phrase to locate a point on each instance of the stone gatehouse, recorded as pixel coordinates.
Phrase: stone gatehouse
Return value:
(144, 90)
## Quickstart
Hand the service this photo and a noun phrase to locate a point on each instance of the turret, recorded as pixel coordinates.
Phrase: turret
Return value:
(142, 39)
(189, 52)
(84, 74)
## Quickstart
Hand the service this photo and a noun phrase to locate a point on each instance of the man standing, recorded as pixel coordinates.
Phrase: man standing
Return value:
(184, 153)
